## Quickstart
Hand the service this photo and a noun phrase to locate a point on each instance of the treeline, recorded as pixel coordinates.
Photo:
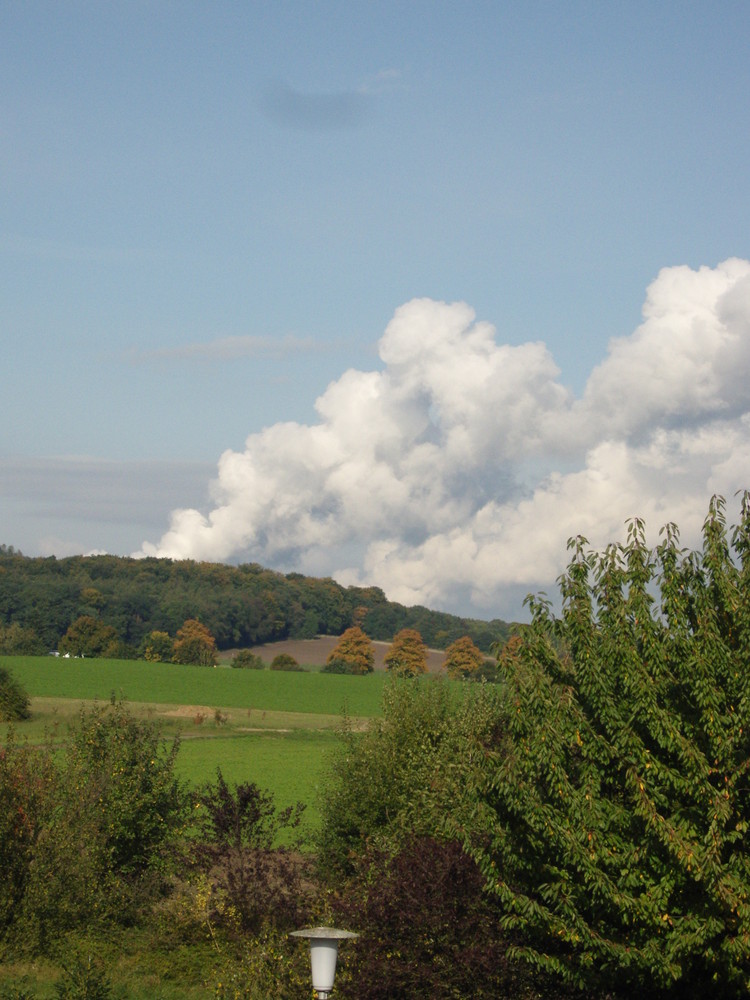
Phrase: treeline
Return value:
(240, 605)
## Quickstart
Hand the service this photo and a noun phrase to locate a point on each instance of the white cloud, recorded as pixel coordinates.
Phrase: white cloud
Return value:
(456, 474)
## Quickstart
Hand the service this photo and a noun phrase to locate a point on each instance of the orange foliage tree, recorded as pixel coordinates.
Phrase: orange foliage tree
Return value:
(407, 657)
(354, 648)
(463, 658)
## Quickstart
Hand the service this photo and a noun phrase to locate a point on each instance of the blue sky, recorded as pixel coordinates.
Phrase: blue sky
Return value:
(211, 213)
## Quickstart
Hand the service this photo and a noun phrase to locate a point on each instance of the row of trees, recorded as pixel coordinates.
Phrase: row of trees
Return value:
(354, 653)
(242, 606)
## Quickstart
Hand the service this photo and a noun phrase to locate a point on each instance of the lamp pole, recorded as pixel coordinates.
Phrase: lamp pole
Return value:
(324, 947)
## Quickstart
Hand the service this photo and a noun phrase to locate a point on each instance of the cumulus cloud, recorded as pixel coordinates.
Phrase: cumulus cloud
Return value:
(454, 476)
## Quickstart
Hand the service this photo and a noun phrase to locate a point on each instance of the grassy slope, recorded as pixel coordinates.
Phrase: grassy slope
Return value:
(159, 683)
(277, 730)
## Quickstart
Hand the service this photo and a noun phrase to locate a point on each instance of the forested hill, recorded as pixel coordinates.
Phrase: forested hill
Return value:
(241, 605)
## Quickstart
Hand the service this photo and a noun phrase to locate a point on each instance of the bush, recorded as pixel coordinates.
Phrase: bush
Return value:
(88, 831)
(285, 661)
(426, 929)
(254, 882)
(408, 771)
(246, 660)
(14, 702)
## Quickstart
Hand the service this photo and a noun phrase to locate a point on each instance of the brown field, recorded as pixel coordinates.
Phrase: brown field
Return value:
(315, 652)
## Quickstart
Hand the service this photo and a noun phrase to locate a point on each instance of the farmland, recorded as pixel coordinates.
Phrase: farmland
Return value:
(269, 727)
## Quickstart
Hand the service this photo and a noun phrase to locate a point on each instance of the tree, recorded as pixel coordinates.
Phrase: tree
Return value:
(18, 641)
(617, 804)
(463, 658)
(158, 647)
(407, 656)
(194, 644)
(88, 636)
(247, 660)
(284, 661)
(355, 649)
(14, 701)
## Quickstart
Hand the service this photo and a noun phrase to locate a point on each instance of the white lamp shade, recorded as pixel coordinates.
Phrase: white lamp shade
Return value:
(324, 948)
(323, 955)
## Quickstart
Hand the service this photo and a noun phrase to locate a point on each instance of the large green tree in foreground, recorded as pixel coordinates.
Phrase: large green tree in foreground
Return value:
(618, 804)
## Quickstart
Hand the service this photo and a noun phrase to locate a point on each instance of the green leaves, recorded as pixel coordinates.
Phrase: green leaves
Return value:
(620, 809)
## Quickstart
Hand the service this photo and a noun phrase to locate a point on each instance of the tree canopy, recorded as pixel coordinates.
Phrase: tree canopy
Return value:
(355, 650)
(407, 656)
(617, 805)
(463, 658)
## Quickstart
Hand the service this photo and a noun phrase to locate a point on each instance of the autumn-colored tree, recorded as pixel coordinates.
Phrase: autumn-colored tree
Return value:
(88, 636)
(407, 656)
(158, 647)
(194, 644)
(618, 805)
(463, 658)
(355, 649)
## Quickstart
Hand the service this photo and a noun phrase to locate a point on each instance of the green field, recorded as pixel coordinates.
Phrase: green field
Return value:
(270, 727)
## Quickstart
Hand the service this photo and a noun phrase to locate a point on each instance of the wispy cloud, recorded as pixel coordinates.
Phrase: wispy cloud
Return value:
(227, 349)
(316, 112)
(455, 475)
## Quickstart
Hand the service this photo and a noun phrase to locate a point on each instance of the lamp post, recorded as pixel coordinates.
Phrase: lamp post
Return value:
(324, 948)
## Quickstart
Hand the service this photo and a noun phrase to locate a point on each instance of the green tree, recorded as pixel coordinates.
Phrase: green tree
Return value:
(88, 636)
(355, 649)
(194, 644)
(18, 641)
(617, 807)
(407, 656)
(247, 660)
(463, 659)
(158, 647)
(14, 701)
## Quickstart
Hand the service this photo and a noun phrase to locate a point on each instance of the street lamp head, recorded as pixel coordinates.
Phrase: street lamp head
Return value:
(324, 947)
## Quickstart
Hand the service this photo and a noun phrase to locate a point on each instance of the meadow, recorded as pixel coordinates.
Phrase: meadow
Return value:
(270, 727)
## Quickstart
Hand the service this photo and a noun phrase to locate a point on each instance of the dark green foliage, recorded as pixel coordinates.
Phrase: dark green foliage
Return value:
(618, 807)
(83, 979)
(14, 702)
(285, 661)
(338, 666)
(18, 641)
(408, 771)
(426, 929)
(88, 636)
(246, 660)
(253, 882)
(242, 606)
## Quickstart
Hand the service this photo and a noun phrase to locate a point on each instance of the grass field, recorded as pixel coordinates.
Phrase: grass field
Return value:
(270, 727)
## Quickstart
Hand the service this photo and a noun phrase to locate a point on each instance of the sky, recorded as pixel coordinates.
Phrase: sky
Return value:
(402, 294)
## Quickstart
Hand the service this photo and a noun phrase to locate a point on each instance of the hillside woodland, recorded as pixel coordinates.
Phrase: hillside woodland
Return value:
(241, 606)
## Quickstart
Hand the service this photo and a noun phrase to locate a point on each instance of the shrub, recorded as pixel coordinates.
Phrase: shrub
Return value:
(408, 771)
(107, 807)
(426, 929)
(246, 660)
(254, 882)
(14, 701)
(83, 979)
(285, 661)
(339, 667)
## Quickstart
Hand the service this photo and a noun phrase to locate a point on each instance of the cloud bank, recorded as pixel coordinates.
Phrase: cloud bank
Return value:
(454, 476)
